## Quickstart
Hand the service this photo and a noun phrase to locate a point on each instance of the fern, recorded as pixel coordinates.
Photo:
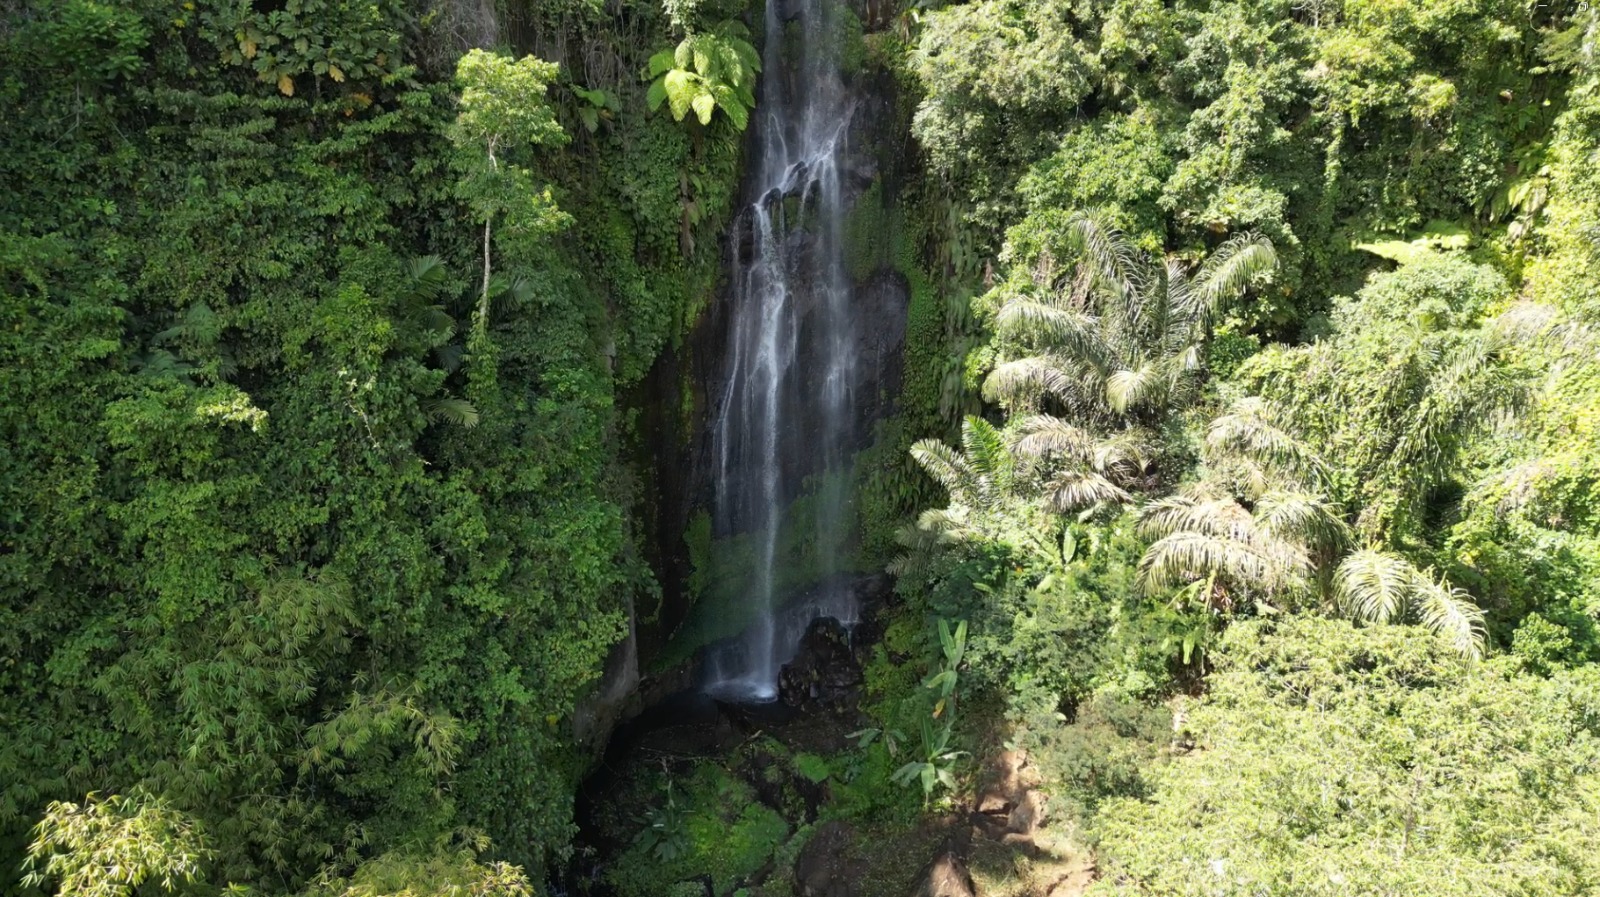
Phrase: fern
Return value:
(452, 410)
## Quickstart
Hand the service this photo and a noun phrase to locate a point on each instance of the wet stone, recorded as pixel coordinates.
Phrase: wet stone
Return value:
(824, 674)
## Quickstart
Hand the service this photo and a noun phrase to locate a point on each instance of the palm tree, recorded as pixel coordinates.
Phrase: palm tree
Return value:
(1122, 335)
(1252, 447)
(1469, 387)
(1260, 528)
(996, 484)
(1207, 536)
(1080, 471)
(1379, 587)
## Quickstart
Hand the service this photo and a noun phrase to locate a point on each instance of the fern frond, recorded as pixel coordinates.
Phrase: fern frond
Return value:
(460, 412)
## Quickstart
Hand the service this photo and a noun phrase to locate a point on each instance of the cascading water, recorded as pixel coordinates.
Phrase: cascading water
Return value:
(786, 408)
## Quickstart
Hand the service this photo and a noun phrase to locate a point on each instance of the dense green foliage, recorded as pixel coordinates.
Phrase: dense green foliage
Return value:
(313, 329)
(1291, 321)
(1333, 760)
(1244, 470)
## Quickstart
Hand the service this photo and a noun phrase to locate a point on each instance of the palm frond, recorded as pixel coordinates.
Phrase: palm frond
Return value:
(1180, 288)
(1228, 271)
(1074, 490)
(426, 278)
(1042, 325)
(1025, 380)
(1044, 435)
(1129, 390)
(1374, 586)
(1469, 391)
(1450, 612)
(1114, 264)
(989, 458)
(1304, 518)
(1123, 458)
(947, 466)
(1528, 322)
(460, 412)
(1222, 518)
(1253, 430)
(1185, 557)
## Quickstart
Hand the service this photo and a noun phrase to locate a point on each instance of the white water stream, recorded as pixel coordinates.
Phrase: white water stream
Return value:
(786, 407)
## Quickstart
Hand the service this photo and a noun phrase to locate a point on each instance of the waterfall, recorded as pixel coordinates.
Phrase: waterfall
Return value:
(786, 410)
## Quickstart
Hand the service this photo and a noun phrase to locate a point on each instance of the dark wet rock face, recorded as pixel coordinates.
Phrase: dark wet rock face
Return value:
(824, 675)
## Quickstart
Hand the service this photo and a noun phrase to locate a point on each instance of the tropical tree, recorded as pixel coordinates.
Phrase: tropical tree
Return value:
(1003, 484)
(1406, 382)
(981, 479)
(1260, 527)
(1380, 587)
(1228, 551)
(708, 71)
(112, 846)
(504, 108)
(1116, 335)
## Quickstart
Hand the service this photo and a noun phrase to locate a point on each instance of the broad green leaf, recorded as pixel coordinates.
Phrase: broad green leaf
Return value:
(660, 63)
